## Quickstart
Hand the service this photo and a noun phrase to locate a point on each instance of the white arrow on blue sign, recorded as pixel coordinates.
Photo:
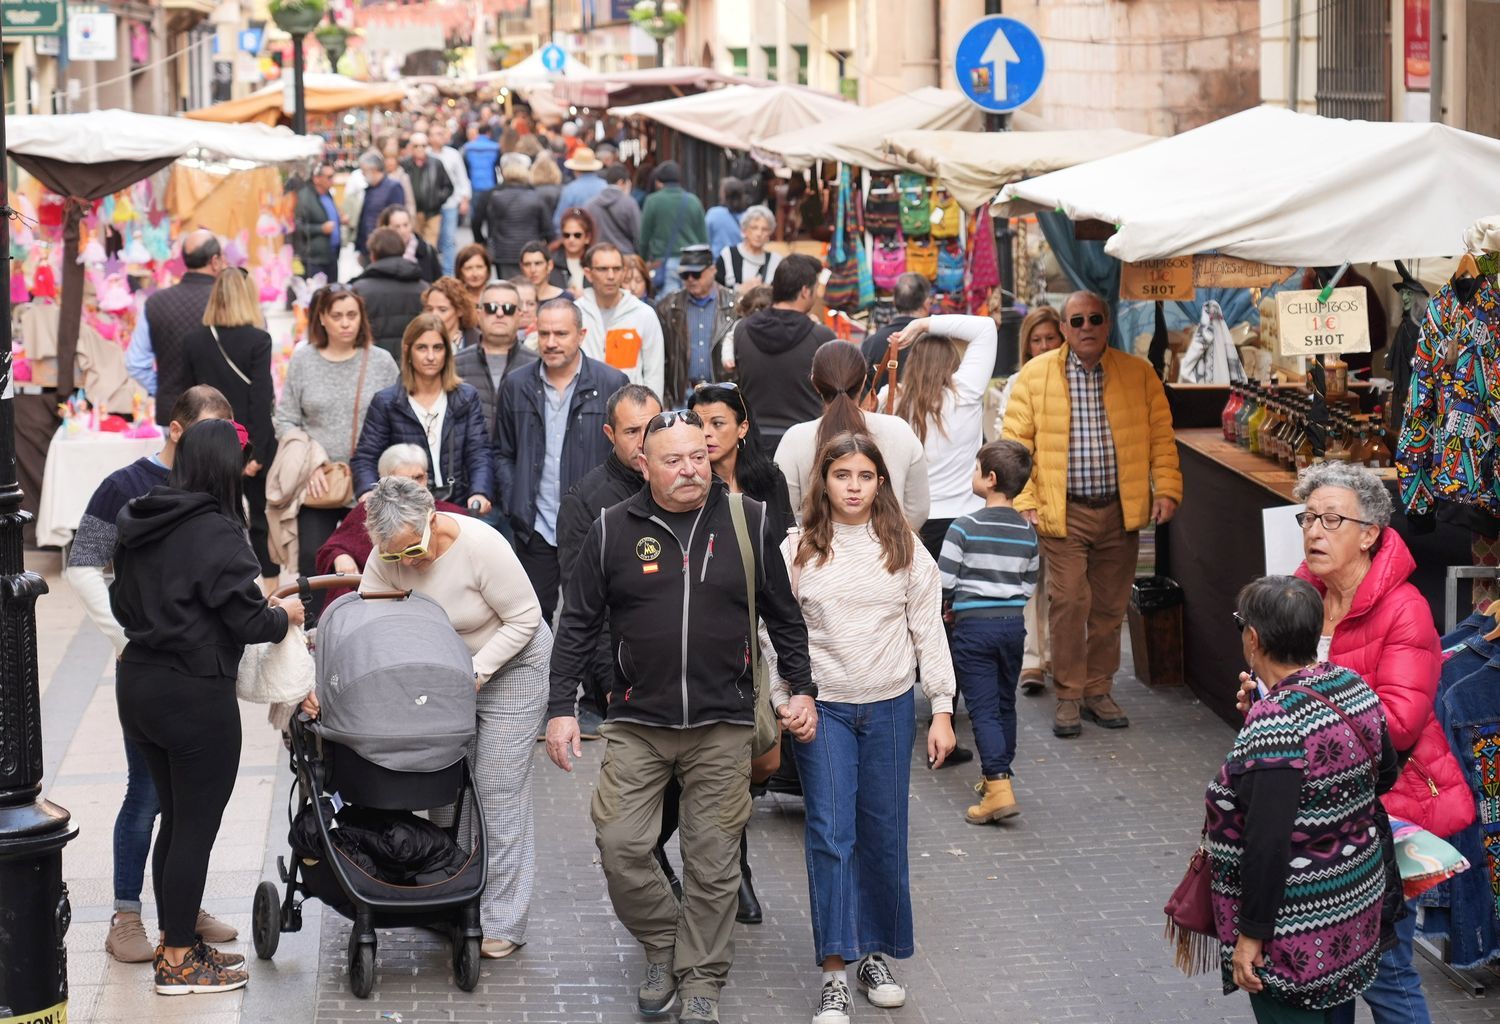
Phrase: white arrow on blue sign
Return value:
(553, 57)
(999, 64)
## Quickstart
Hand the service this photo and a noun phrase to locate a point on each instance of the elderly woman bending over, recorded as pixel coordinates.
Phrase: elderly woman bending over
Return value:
(1376, 623)
(471, 571)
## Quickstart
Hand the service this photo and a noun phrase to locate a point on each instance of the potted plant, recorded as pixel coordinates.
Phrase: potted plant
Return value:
(659, 20)
(297, 17)
(334, 39)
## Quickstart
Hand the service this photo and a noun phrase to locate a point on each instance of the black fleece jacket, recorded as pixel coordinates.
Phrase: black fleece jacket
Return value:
(678, 616)
(186, 586)
(773, 353)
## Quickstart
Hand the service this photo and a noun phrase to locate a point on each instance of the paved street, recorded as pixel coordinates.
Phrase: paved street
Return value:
(1056, 917)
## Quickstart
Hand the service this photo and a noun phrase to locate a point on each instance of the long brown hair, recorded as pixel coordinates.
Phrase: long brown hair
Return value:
(421, 324)
(838, 376)
(928, 377)
(886, 518)
(322, 301)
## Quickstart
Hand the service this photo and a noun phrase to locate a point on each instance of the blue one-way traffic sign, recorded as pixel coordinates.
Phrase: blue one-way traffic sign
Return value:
(553, 57)
(999, 64)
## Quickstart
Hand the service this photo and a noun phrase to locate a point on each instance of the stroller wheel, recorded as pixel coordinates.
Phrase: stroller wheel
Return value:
(265, 920)
(361, 966)
(466, 963)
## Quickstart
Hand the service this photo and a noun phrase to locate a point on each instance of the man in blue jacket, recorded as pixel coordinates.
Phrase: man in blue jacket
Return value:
(481, 154)
(549, 432)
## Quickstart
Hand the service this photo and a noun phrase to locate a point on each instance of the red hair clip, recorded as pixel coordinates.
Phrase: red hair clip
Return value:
(243, 433)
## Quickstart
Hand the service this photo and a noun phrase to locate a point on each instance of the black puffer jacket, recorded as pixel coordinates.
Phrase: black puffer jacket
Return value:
(515, 215)
(392, 289)
(680, 632)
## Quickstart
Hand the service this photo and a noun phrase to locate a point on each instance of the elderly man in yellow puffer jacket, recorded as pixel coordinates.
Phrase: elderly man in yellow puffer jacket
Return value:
(1097, 424)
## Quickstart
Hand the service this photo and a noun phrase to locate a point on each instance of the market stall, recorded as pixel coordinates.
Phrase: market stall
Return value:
(322, 93)
(101, 220)
(610, 89)
(854, 137)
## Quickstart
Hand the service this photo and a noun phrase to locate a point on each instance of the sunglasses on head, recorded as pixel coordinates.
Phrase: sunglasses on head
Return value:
(507, 308)
(664, 420)
(1093, 319)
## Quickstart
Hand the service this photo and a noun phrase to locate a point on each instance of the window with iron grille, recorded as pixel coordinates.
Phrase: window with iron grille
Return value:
(1354, 59)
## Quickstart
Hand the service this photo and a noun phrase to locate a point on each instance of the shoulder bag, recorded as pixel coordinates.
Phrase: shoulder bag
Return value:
(767, 729)
(232, 365)
(339, 476)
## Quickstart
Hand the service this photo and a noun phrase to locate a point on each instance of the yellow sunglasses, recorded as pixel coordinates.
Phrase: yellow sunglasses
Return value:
(417, 550)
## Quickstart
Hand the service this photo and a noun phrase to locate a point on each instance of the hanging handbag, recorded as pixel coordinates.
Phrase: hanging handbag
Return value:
(767, 728)
(338, 477)
(276, 673)
(882, 209)
(1190, 914)
(842, 289)
(950, 268)
(888, 261)
(922, 257)
(945, 216)
(916, 206)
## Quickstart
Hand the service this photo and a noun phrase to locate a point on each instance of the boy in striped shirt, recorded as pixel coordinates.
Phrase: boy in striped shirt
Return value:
(989, 567)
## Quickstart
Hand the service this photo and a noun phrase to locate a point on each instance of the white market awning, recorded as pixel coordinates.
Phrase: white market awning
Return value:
(972, 166)
(855, 136)
(102, 136)
(1274, 186)
(731, 117)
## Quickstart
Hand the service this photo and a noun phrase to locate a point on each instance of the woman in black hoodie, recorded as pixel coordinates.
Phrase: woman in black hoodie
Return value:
(186, 591)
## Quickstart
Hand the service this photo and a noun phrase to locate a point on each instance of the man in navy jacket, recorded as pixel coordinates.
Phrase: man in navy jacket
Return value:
(549, 432)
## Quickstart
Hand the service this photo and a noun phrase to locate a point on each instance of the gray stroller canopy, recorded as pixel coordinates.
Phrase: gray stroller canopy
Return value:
(395, 682)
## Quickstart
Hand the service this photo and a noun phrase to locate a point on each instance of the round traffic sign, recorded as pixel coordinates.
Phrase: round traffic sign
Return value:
(553, 57)
(999, 63)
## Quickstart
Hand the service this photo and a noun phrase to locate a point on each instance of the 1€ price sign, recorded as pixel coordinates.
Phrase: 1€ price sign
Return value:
(1168, 280)
(1310, 328)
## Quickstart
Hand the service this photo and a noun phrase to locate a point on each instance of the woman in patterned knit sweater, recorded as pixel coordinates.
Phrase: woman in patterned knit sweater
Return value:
(872, 600)
(1296, 854)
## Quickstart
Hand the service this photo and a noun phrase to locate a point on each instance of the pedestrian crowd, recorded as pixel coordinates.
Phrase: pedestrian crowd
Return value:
(665, 507)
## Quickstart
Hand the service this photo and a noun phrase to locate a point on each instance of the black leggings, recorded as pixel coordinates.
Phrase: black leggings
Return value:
(314, 527)
(188, 730)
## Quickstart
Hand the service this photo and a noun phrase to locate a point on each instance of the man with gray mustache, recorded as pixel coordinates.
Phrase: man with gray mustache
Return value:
(669, 566)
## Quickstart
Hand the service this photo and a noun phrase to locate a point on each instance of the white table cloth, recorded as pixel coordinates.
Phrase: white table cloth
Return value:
(76, 466)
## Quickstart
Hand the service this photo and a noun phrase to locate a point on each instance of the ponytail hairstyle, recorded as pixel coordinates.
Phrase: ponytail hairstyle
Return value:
(838, 376)
(886, 518)
(927, 378)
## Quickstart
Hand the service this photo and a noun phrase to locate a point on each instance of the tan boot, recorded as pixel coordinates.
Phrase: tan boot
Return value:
(1067, 722)
(996, 802)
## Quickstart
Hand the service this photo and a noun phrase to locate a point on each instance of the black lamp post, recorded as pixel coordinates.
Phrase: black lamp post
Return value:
(297, 18)
(34, 908)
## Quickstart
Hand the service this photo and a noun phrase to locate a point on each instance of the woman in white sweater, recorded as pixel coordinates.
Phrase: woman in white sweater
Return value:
(839, 373)
(872, 600)
(941, 395)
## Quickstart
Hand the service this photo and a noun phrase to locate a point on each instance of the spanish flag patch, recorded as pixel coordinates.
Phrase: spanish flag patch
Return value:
(650, 567)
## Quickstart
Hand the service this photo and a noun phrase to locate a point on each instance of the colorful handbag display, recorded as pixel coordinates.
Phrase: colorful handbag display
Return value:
(945, 217)
(882, 207)
(950, 267)
(916, 206)
(842, 289)
(888, 261)
(922, 257)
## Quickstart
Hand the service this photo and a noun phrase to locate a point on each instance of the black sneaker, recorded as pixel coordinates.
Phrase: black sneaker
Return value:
(878, 983)
(834, 1004)
(195, 975)
(960, 755)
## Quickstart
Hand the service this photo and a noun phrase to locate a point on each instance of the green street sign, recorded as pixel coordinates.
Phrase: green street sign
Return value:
(31, 18)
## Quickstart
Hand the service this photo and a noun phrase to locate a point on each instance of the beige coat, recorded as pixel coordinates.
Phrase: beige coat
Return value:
(297, 455)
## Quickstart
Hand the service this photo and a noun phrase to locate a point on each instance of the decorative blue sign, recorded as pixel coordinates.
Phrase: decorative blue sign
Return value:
(999, 64)
(553, 57)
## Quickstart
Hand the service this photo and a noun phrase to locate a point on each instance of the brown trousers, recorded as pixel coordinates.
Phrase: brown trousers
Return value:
(712, 764)
(429, 227)
(1089, 574)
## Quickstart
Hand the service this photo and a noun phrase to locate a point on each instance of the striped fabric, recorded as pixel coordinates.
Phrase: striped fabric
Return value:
(1092, 469)
(989, 560)
(1324, 949)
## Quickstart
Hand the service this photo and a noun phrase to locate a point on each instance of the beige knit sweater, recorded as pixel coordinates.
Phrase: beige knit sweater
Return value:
(868, 629)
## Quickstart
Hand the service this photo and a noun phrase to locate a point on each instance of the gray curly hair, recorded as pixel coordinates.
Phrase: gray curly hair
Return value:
(1368, 489)
(395, 504)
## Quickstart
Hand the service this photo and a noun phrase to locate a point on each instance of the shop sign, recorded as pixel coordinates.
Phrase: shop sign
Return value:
(1308, 327)
(48, 46)
(1418, 35)
(1169, 280)
(55, 1014)
(31, 17)
(92, 36)
(1232, 272)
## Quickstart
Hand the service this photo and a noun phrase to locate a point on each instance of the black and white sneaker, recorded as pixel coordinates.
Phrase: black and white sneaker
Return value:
(834, 1004)
(878, 983)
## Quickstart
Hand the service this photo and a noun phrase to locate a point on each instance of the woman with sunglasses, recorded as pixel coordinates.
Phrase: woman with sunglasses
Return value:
(430, 406)
(232, 352)
(187, 596)
(449, 301)
(330, 383)
(470, 570)
(577, 235)
(1377, 624)
(538, 270)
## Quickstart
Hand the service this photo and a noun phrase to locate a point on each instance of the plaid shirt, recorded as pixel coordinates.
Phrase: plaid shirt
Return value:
(1092, 471)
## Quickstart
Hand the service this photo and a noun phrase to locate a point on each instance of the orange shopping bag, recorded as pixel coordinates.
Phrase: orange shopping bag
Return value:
(622, 348)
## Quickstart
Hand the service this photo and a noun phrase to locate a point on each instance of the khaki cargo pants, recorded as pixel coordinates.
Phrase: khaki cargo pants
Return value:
(712, 763)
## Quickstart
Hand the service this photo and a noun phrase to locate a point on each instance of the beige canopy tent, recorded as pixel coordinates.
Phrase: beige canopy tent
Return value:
(730, 117)
(973, 166)
(854, 136)
(323, 94)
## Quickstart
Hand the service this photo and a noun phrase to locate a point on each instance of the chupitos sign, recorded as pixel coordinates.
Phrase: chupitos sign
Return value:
(1309, 327)
(1168, 280)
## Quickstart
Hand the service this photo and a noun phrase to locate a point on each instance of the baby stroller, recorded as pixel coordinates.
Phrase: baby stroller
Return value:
(395, 688)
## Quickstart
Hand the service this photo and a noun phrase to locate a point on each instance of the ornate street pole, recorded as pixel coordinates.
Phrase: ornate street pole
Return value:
(34, 908)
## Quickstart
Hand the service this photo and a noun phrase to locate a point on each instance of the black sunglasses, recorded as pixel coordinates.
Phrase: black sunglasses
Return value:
(1239, 621)
(508, 308)
(573, 234)
(1094, 319)
(663, 420)
(691, 272)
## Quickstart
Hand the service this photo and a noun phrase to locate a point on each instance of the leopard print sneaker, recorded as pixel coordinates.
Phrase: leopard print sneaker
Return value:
(196, 974)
